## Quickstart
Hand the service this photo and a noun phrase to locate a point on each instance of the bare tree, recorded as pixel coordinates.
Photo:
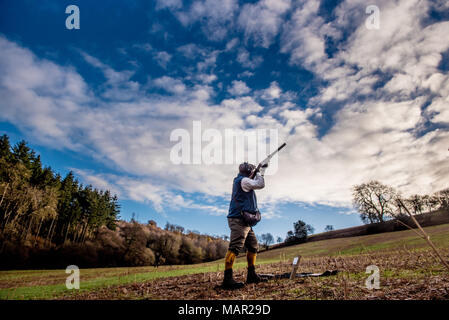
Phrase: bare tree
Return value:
(267, 239)
(430, 203)
(415, 203)
(310, 229)
(442, 199)
(374, 200)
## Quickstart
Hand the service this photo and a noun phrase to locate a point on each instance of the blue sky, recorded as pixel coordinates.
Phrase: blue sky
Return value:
(353, 104)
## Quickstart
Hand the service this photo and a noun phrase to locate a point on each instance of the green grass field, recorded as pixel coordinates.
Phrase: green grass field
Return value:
(50, 284)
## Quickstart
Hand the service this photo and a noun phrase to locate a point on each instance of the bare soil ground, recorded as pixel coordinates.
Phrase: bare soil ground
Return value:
(404, 275)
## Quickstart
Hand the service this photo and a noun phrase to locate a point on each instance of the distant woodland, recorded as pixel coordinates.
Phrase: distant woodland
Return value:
(49, 221)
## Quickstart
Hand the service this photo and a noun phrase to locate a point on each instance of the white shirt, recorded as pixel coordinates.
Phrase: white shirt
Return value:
(252, 184)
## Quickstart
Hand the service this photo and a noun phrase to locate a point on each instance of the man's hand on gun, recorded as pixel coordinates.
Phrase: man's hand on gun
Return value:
(264, 164)
(259, 169)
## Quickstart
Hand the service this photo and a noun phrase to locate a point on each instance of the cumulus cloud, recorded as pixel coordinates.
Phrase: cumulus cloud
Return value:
(192, 51)
(273, 92)
(402, 50)
(162, 58)
(208, 61)
(55, 106)
(238, 88)
(216, 16)
(304, 35)
(245, 59)
(170, 84)
(143, 191)
(378, 119)
(261, 21)
(231, 44)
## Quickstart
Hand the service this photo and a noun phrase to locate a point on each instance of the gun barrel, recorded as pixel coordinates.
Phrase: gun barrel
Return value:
(281, 146)
(276, 151)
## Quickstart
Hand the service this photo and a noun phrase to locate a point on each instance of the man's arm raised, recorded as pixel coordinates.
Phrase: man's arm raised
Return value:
(253, 184)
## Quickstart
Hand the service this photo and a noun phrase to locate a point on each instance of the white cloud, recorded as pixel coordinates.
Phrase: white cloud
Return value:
(375, 134)
(112, 76)
(143, 191)
(171, 4)
(170, 84)
(303, 35)
(192, 51)
(97, 181)
(348, 212)
(53, 105)
(231, 44)
(208, 62)
(216, 16)
(162, 58)
(270, 211)
(238, 88)
(118, 85)
(276, 98)
(206, 78)
(401, 48)
(273, 92)
(439, 110)
(246, 74)
(244, 58)
(261, 21)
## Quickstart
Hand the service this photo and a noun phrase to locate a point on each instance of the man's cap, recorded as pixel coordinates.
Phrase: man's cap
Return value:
(246, 168)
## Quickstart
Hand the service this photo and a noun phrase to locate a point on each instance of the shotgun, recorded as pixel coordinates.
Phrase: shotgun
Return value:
(264, 162)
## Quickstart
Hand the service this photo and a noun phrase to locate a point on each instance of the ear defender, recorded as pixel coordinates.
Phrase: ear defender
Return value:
(247, 168)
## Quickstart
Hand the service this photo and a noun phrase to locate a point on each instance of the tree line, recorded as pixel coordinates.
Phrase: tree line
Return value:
(129, 244)
(38, 205)
(51, 221)
(377, 202)
(299, 234)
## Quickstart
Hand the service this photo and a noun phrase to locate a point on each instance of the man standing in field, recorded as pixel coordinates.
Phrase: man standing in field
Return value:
(242, 235)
